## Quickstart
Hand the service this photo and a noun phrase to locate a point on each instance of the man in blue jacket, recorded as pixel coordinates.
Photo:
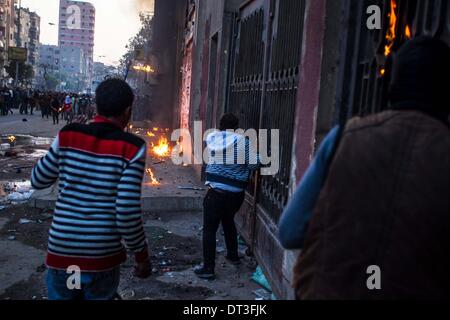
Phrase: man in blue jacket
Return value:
(232, 160)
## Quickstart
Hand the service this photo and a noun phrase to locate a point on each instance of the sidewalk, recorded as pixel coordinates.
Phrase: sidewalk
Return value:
(178, 189)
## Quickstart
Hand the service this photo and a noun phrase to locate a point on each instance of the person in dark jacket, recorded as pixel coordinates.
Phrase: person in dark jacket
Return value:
(56, 110)
(371, 214)
(227, 180)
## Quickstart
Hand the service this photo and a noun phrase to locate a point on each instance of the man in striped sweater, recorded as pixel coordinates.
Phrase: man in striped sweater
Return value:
(100, 170)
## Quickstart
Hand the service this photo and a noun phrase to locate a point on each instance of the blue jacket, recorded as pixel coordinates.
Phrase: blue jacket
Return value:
(298, 213)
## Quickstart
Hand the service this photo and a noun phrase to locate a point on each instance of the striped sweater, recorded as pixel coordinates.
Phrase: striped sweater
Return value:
(100, 170)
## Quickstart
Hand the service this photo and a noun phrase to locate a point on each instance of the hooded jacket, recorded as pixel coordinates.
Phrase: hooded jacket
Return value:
(231, 159)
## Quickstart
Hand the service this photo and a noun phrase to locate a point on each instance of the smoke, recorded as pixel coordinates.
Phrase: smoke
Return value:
(145, 5)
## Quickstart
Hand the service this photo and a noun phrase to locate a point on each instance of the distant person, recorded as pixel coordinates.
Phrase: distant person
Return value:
(227, 181)
(45, 104)
(9, 101)
(56, 110)
(375, 200)
(100, 169)
(68, 109)
(34, 97)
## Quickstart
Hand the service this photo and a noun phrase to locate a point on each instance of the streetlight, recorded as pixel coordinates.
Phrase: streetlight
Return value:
(59, 59)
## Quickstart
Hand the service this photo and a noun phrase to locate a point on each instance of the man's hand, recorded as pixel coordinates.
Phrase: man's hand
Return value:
(143, 270)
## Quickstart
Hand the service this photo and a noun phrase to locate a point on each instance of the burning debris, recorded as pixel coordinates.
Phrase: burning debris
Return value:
(144, 68)
(153, 180)
(162, 149)
(408, 32)
(391, 34)
(392, 31)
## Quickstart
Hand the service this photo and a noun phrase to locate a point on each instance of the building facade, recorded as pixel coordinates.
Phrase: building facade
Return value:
(49, 57)
(73, 61)
(7, 27)
(27, 33)
(48, 65)
(76, 29)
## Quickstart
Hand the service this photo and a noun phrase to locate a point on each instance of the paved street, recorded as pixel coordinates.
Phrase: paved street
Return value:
(34, 125)
(174, 236)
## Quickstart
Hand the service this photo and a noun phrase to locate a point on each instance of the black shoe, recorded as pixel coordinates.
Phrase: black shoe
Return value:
(234, 261)
(205, 273)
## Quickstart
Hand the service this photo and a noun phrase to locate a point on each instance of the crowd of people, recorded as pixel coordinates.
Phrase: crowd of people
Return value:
(58, 105)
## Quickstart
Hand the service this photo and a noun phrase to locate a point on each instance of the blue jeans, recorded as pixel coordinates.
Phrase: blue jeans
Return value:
(94, 285)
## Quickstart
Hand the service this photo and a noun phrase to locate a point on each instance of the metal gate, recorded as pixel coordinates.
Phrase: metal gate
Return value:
(263, 92)
(366, 67)
(263, 87)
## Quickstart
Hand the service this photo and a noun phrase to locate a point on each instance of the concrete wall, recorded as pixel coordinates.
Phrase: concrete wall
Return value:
(211, 51)
(317, 94)
(168, 24)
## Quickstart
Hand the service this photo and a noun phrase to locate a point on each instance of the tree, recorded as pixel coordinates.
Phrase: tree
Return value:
(26, 72)
(51, 82)
(142, 39)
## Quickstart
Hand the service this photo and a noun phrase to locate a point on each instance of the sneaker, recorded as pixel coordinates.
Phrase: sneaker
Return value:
(234, 261)
(205, 273)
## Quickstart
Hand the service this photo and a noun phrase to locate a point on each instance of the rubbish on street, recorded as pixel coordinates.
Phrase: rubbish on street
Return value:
(165, 263)
(262, 294)
(220, 249)
(191, 188)
(19, 169)
(19, 197)
(261, 279)
(127, 294)
(25, 221)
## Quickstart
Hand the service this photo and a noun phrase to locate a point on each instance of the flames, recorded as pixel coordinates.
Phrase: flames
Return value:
(11, 139)
(144, 68)
(392, 31)
(391, 34)
(159, 148)
(408, 32)
(162, 148)
(153, 180)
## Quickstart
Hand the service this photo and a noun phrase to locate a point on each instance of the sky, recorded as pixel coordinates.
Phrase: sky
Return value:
(116, 22)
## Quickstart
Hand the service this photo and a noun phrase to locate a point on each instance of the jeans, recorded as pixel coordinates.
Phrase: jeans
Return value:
(220, 207)
(94, 285)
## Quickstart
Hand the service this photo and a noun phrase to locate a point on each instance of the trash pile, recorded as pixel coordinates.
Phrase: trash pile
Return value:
(17, 146)
(265, 293)
(15, 192)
